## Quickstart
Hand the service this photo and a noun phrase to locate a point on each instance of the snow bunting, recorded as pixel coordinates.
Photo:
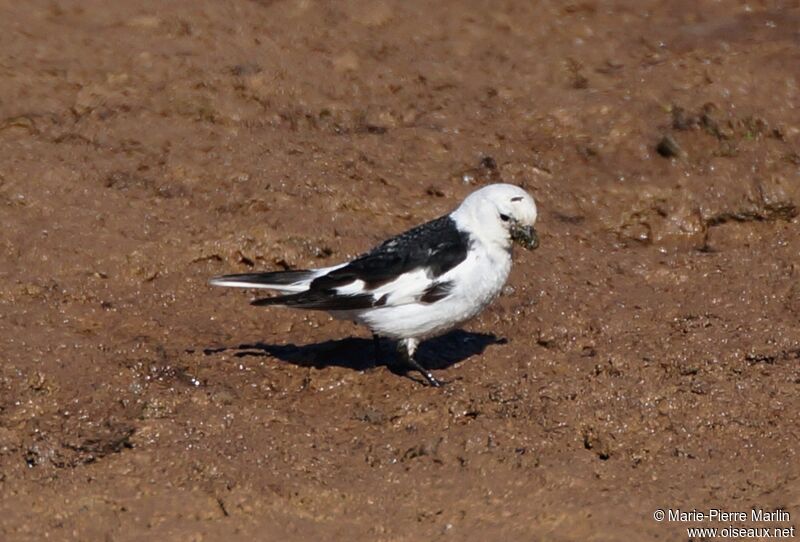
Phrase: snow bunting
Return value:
(421, 283)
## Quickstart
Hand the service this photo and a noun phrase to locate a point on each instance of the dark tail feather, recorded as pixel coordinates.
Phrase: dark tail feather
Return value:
(275, 300)
(268, 278)
(325, 301)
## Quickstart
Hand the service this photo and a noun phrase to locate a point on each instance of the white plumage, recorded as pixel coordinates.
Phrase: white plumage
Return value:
(421, 283)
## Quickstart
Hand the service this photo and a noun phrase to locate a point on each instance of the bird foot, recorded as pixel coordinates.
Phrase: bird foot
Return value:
(432, 381)
(406, 352)
(427, 377)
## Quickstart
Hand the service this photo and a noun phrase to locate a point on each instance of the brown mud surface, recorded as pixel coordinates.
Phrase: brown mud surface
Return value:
(646, 356)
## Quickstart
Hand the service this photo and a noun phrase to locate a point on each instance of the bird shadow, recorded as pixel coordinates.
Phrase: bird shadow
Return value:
(360, 354)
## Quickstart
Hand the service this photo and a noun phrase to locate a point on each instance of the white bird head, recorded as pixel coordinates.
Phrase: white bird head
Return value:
(501, 213)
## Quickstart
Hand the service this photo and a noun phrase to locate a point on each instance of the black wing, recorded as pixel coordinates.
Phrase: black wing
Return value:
(437, 246)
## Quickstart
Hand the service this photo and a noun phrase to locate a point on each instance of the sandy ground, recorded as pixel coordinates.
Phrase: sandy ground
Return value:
(646, 356)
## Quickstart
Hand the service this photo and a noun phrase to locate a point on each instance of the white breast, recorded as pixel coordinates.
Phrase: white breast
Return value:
(476, 282)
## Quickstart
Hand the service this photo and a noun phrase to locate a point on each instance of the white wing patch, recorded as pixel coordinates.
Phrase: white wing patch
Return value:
(406, 288)
(353, 288)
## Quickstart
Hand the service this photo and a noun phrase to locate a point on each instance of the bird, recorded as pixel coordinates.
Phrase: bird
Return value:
(421, 283)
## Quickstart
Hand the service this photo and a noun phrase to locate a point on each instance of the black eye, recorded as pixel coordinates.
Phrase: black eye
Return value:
(504, 218)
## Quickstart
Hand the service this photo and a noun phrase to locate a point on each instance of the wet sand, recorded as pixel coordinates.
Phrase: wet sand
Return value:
(646, 356)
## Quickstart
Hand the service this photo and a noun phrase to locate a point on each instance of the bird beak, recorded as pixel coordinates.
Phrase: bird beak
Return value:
(525, 236)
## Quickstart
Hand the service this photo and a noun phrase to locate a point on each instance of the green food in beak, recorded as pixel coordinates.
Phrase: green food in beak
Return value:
(525, 236)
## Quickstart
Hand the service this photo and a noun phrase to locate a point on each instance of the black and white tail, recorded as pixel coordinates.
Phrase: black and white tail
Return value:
(281, 281)
(299, 289)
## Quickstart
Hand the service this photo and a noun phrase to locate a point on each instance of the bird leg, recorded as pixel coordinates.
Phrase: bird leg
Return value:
(406, 349)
